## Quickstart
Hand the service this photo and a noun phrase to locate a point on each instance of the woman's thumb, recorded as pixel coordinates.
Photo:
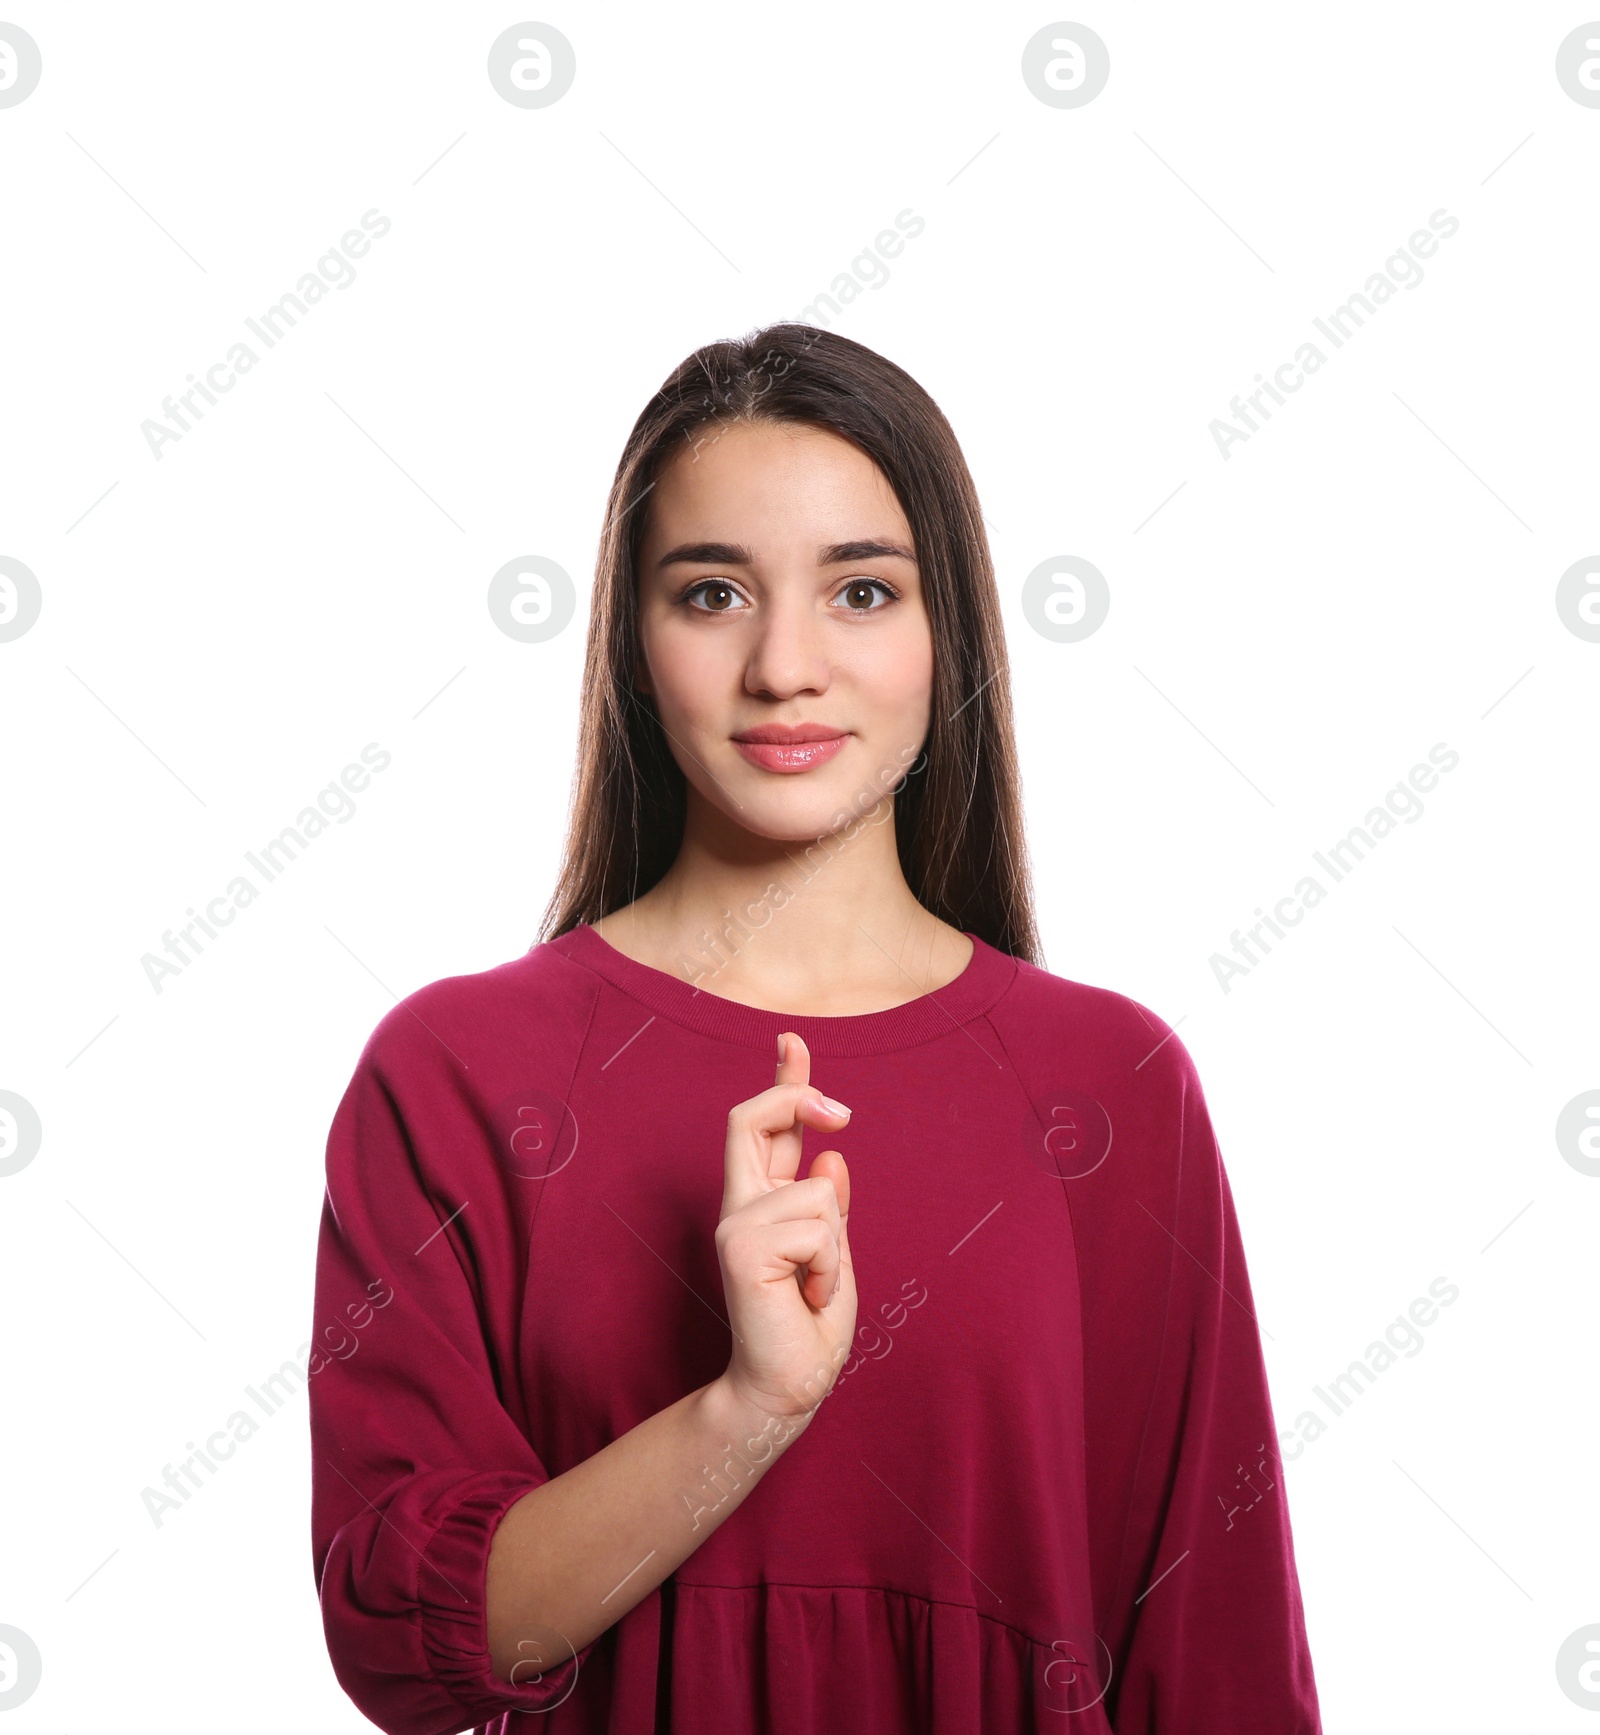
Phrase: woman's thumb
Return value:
(832, 1165)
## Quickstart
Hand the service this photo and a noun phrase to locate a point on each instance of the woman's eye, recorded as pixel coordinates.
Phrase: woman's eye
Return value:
(859, 587)
(721, 597)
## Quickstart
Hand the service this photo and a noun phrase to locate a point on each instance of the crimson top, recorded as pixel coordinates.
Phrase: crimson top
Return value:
(1046, 1481)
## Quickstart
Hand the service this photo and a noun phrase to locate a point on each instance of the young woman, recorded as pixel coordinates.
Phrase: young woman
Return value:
(627, 1417)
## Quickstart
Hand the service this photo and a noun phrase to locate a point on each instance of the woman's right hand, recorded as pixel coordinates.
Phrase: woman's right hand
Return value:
(784, 1245)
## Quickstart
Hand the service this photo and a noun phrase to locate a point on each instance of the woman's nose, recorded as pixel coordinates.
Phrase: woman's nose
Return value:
(788, 653)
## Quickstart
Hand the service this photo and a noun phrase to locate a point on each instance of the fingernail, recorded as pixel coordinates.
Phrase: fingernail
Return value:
(831, 1106)
(783, 1046)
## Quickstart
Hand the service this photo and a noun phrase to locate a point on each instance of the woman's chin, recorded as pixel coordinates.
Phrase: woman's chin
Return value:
(803, 810)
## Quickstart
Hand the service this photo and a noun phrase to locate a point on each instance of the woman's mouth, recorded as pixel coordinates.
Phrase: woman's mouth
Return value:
(799, 749)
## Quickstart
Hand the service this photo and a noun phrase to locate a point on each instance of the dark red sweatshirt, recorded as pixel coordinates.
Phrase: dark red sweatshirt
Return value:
(1044, 1492)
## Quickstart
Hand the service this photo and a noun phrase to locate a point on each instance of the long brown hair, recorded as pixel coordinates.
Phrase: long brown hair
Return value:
(958, 811)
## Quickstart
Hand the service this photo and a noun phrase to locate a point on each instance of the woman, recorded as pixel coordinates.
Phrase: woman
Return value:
(968, 1431)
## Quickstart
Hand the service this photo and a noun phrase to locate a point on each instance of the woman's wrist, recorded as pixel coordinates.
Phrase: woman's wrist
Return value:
(749, 1423)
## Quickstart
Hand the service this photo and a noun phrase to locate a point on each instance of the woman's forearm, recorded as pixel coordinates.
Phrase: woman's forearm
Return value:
(573, 1556)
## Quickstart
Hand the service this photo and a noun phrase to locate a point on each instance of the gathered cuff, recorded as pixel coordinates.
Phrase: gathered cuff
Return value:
(452, 1597)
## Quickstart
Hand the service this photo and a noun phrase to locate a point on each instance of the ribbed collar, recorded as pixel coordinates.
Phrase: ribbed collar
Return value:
(988, 974)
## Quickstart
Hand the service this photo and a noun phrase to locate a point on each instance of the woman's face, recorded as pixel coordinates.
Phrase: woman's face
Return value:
(779, 594)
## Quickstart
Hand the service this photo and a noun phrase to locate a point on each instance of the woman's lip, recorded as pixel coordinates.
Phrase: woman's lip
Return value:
(789, 734)
(790, 756)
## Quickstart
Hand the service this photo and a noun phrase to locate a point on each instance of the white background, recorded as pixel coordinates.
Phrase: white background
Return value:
(1291, 629)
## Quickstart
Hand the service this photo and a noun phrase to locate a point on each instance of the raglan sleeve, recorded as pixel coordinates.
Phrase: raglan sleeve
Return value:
(1204, 1615)
(415, 1457)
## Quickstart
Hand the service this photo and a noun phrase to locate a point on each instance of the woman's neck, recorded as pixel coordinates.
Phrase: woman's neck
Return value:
(824, 927)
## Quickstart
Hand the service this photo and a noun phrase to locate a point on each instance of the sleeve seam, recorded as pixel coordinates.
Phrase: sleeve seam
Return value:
(566, 1099)
(1160, 1367)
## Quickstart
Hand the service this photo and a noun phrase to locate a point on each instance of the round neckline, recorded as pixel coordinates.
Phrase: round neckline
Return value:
(988, 973)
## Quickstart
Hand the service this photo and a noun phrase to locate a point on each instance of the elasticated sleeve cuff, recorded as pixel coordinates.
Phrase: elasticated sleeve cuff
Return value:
(452, 1575)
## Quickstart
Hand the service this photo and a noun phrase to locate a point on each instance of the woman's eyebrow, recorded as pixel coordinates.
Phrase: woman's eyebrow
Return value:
(870, 549)
(736, 554)
(707, 554)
